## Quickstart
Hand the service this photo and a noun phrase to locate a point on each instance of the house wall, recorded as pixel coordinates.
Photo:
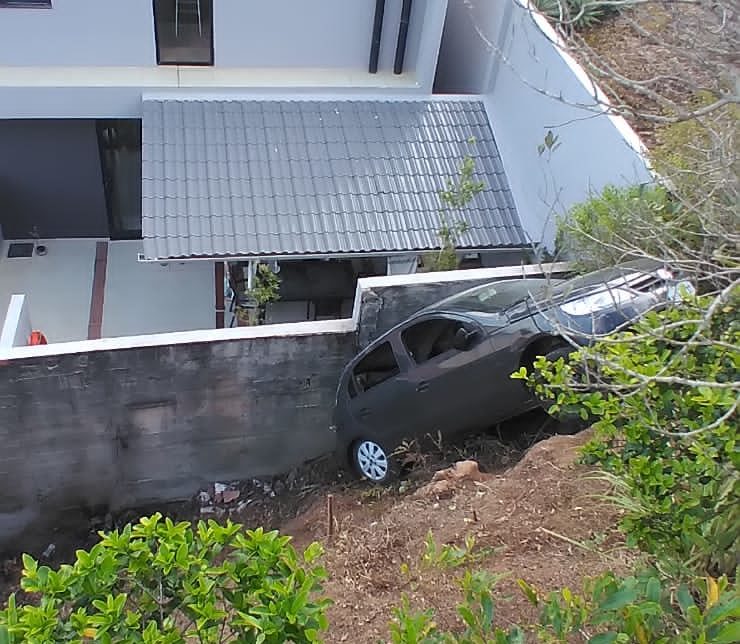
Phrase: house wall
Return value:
(531, 87)
(124, 422)
(93, 58)
(79, 32)
(50, 177)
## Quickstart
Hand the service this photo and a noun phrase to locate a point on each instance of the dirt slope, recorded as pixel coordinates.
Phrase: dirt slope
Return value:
(516, 514)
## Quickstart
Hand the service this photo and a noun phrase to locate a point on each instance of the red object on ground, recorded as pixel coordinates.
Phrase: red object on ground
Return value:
(37, 337)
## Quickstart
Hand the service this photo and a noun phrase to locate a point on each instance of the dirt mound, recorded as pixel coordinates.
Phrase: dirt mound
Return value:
(539, 521)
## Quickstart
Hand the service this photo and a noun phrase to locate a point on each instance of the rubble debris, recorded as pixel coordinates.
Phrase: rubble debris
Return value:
(203, 497)
(228, 496)
(446, 481)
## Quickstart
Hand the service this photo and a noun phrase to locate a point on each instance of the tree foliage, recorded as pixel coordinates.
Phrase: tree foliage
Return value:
(159, 582)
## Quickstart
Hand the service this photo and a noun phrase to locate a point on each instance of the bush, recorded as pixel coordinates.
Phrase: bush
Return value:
(609, 609)
(616, 225)
(578, 14)
(664, 399)
(165, 582)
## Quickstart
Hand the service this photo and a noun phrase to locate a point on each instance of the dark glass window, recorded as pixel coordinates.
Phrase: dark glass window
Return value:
(120, 161)
(34, 4)
(184, 32)
(430, 338)
(377, 366)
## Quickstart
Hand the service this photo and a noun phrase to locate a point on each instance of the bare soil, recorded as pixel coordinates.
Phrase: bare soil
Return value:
(542, 520)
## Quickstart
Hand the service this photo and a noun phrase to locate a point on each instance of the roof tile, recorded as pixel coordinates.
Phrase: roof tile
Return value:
(299, 177)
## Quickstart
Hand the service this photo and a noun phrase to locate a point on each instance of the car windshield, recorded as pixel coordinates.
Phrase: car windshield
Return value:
(496, 297)
(606, 277)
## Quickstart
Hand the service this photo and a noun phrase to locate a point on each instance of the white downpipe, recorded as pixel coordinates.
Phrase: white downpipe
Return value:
(250, 274)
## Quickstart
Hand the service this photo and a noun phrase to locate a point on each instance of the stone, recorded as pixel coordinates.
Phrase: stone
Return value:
(229, 496)
(203, 497)
(460, 471)
(444, 482)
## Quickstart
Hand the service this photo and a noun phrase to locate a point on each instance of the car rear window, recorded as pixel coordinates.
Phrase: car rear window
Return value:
(377, 366)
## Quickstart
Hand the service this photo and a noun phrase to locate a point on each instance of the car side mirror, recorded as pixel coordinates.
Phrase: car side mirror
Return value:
(464, 339)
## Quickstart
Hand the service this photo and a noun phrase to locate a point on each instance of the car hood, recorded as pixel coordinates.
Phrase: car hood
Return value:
(603, 309)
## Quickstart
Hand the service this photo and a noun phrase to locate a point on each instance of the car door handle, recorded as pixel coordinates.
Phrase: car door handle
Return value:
(364, 412)
(422, 386)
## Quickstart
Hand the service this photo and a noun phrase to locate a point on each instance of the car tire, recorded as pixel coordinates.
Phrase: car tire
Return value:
(567, 422)
(373, 461)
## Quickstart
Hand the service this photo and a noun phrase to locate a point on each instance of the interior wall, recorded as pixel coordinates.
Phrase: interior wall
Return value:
(50, 178)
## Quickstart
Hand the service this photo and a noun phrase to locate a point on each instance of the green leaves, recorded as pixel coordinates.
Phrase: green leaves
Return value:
(165, 582)
(455, 197)
(657, 392)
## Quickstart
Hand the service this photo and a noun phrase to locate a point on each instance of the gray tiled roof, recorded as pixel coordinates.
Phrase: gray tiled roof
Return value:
(258, 178)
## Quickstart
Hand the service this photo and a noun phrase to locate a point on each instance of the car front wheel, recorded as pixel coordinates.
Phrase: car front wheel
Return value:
(372, 461)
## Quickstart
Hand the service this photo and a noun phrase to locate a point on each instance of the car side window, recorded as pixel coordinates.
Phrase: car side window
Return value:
(377, 366)
(430, 338)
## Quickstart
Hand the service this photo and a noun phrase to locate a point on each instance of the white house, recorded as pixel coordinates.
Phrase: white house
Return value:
(153, 151)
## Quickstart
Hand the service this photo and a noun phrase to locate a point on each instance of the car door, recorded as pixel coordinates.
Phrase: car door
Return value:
(453, 386)
(380, 397)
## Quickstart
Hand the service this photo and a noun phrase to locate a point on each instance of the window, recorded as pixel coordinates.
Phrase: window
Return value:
(184, 32)
(24, 4)
(430, 338)
(377, 366)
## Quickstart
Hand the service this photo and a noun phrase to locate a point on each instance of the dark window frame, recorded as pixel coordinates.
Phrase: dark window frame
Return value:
(210, 62)
(25, 4)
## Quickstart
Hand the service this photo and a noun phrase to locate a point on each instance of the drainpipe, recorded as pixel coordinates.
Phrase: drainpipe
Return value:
(250, 274)
(403, 32)
(377, 33)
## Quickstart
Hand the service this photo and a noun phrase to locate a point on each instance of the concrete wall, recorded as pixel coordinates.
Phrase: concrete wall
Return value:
(532, 86)
(122, 422)
(121, 428)
(50, 177)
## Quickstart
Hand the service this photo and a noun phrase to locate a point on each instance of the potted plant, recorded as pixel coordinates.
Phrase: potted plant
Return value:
(265, 289)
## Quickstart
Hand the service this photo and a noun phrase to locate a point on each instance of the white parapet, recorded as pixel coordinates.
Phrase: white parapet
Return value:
(17, 325)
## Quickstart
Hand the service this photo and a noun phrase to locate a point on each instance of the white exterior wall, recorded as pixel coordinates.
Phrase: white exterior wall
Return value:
(93, 58)
(79, 32)
(531, 86)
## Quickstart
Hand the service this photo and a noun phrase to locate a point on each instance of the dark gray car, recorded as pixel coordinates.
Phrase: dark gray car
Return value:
(447, 368)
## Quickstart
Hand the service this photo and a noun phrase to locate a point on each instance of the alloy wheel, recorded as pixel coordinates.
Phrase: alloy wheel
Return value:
(372, 461)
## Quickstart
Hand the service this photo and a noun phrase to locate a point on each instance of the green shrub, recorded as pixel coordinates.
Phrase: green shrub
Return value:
(164, 582)
(619, 224)
(609, 609)
(578, 14)
(640, 609)
(664, 397)
(476, 612)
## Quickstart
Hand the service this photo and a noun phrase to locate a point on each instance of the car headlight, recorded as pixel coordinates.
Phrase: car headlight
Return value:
(677, 291)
